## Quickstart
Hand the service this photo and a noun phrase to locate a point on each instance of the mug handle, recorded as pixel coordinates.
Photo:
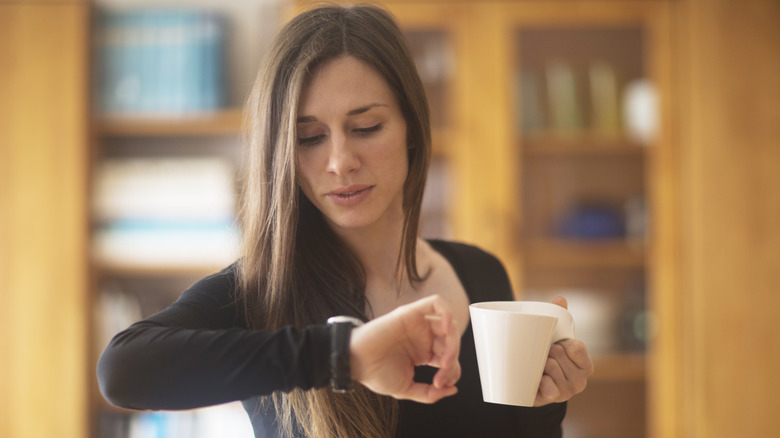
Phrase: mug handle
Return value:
(563, 330)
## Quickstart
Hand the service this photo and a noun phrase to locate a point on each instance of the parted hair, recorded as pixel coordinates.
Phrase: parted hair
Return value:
(294, 270)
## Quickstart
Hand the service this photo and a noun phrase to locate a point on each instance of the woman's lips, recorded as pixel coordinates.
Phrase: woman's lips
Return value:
(349, 196)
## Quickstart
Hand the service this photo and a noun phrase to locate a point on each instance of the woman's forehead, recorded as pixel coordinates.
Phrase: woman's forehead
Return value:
(344, 84)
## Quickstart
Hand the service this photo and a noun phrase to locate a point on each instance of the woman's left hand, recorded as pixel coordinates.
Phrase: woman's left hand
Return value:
(567, 369)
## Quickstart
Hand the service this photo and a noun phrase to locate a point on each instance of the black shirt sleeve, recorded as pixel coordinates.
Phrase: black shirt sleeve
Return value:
(196, 353)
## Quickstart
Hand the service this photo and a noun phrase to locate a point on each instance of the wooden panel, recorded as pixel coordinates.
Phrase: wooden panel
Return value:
(486, 159)
(730, 211)
(43, 158)
(663, 253)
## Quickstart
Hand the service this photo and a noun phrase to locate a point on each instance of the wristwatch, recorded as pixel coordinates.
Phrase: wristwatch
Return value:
(340, 333)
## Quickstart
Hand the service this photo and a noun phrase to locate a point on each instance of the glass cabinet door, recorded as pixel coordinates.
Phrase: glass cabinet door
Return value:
(585, 122)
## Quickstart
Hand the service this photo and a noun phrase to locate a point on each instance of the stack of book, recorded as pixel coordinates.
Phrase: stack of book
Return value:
(159, 62)
(174, 212)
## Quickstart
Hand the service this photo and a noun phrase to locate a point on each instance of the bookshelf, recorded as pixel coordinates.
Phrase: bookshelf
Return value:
(132, 281)
(567, 253)
(160, 147)
(586, 143)
(585, 186)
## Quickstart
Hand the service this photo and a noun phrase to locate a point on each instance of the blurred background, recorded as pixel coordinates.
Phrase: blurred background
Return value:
(623, 154)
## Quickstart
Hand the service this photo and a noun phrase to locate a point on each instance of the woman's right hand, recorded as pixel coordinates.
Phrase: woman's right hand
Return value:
(384, 351)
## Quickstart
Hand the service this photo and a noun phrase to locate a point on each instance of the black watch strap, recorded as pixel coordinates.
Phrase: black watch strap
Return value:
(340, 334)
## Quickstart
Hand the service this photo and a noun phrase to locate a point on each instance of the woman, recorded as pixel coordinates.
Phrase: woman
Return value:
(339, 144)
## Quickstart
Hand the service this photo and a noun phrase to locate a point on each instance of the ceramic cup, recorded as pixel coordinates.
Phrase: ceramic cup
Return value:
(513, 339)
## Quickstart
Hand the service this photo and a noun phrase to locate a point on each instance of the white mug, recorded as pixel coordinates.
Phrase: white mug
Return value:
(512, 340)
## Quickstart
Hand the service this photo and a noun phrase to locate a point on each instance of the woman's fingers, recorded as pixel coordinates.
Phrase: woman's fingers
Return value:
(578, 354)
(447, 376)
(440, 346)
(567, 369)
(566, 372)
(420, 333)
(424, 393)
(548, 392)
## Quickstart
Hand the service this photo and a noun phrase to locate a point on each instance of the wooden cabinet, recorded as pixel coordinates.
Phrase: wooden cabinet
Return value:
(44, 157)
(585, 182)
(721, 342)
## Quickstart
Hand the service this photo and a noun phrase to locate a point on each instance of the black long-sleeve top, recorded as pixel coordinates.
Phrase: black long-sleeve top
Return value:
(198, 352)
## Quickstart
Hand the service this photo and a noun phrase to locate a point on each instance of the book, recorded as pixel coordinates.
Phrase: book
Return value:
(564, 106)
(531, 112)
(165, 211)
(183, 189)
(604, 99)
(160, 62)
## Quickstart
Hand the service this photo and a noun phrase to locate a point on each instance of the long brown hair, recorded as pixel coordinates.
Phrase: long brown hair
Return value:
(294, 269)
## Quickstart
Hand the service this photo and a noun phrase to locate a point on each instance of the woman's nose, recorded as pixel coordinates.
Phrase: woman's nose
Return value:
(343, 159)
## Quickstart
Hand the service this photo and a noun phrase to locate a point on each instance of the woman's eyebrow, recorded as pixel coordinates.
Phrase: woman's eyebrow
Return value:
(353, 112)
(363, 109)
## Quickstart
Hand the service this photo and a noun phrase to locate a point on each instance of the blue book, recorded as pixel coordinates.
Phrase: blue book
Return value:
(149, 41)
(114, 46)
(169, 66)
(160, 61)
(129, 84)
(212, 77)
(190, 67)
(106, 66)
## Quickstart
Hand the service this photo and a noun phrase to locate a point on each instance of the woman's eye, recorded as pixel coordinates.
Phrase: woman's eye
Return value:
(369, 130)
(310, 141)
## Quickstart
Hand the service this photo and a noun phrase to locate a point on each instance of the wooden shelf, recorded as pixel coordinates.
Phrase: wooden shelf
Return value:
(225, 122)
(582, 143)
(569, 150)
(129, 270)
(564, 253)
(621, 367)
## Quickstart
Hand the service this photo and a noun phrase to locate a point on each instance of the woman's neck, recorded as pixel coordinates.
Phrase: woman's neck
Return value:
(387, 281)
(378, 249)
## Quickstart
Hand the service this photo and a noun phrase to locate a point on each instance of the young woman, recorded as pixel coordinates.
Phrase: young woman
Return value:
(339, 145)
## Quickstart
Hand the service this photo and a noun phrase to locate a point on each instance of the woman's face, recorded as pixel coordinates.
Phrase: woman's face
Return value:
(352, 150)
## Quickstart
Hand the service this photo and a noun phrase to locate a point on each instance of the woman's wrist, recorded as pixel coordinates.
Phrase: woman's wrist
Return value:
(355, 354)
